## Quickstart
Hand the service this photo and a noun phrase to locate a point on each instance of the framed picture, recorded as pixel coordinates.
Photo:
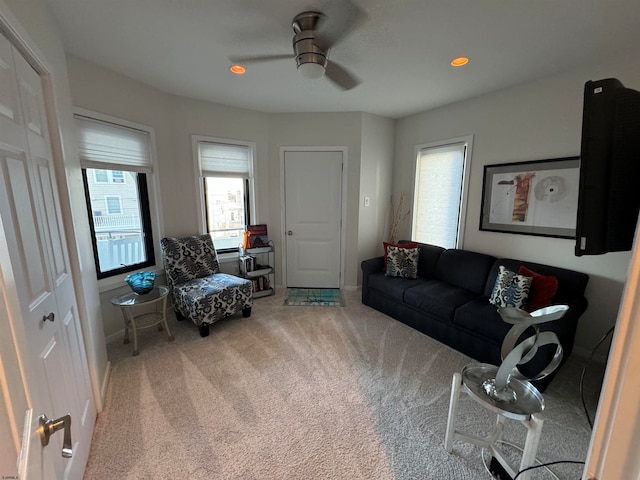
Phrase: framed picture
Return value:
(531, 198)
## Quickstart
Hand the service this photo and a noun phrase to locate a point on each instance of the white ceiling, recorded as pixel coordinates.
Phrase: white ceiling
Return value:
(401, 52)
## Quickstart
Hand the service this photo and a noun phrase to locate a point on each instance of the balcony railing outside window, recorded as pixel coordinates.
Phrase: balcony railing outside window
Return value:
(106, 223)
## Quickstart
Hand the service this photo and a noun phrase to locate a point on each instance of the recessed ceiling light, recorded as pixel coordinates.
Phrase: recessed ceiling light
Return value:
(460, 61)
(237, 69)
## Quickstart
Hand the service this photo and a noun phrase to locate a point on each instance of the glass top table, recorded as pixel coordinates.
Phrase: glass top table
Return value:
(128, 301)
(132, 298)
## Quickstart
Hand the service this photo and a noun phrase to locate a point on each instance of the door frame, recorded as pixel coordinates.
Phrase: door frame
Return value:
(13, 385)
(343, 208)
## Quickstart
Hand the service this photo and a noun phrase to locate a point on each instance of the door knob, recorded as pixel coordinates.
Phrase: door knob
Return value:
(51, 317)
(289, 232)
(49, 427)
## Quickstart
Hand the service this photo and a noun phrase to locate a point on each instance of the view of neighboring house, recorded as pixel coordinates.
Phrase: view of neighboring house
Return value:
(117, 220)
(225, 208)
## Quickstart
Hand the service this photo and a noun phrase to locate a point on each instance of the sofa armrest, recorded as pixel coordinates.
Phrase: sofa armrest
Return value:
(373, 265)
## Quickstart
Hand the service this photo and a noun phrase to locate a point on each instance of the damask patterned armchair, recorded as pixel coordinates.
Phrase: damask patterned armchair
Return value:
(200, 291)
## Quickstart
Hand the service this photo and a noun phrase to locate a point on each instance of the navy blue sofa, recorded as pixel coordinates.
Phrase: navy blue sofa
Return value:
(449, 301)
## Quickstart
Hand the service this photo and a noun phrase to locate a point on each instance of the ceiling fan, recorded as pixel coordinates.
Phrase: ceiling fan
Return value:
(313, 38)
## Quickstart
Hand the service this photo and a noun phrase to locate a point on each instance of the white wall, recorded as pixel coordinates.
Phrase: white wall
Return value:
(319, 129)
(376, 171)
(538, 120)
(174, 119)
(192, 117)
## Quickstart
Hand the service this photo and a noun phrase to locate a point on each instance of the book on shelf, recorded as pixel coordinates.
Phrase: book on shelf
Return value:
(258, 236)
(261, 283)
(247, 264)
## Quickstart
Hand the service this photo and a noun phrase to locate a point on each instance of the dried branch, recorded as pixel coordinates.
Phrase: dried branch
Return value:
(397, 217)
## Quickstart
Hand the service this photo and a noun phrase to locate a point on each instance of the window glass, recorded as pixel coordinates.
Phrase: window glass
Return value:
(114, 206)
(117, 176)
(226, 172)
(101, 176)
(118, 214)
(225, 206)
(438, 194)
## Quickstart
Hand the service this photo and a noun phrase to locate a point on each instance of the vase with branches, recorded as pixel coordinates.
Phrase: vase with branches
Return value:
(397, 217)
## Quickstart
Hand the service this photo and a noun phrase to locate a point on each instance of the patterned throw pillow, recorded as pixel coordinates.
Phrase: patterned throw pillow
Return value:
(510, 289)
(402, 262)
(399, 245)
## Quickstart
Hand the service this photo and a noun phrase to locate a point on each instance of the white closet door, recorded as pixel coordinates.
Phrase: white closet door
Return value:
(36, 276)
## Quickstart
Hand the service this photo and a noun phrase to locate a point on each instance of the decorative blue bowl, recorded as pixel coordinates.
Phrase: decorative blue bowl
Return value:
(141, 282)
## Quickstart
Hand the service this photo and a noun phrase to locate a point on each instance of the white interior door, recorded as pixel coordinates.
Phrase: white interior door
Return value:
(313, 215)
(36, 276)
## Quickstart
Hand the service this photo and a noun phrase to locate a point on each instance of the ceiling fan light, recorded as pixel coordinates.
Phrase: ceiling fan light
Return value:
(311, 70)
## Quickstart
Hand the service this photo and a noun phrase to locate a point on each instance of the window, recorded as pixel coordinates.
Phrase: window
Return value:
(227, 185)
(116, 161)
(117, 176)
(106, 176)
(114, 205)
(438, 207)
(101, 176)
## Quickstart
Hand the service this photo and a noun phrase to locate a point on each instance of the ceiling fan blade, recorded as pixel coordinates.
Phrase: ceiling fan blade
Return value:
(260, 58)
(345, 17)
(340, 76)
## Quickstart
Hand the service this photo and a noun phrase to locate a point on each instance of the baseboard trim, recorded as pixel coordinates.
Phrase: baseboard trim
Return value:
(105, 384)
(114, 336)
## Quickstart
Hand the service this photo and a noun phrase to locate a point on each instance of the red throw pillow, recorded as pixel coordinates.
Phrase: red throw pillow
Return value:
(543, 288)
(399, 245)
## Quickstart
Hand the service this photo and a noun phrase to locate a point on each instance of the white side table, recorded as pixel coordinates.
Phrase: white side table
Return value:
(526, 407)
(128, 301)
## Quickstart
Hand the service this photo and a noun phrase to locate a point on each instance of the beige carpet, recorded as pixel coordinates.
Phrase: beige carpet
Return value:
(303, 393)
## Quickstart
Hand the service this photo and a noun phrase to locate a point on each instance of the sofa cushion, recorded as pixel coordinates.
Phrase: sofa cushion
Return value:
(428, 258)
(482, 318)
(402, 262)
(393, 287)
(510, 289)
(464, 269)
(437, 298)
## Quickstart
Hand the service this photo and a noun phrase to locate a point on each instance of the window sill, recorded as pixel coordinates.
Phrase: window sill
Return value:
(228, 257)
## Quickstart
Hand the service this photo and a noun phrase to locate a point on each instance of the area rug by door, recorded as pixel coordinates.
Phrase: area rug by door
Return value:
(316, 297)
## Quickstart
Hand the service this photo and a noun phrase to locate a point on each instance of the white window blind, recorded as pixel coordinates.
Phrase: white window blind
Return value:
(105, 145)
(221, 160)
(438, 192)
